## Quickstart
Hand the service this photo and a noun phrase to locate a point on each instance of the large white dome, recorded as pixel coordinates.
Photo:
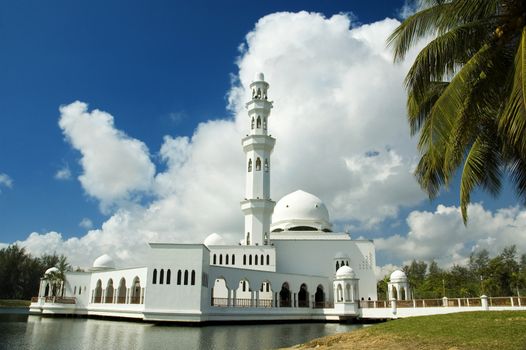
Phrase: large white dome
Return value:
(300, 211)
(103, 262)
(214, 239)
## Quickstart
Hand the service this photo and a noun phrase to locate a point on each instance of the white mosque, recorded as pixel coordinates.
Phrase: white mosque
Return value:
(289, 264)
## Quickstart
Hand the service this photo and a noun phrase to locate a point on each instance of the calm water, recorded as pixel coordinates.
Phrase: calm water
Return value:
(20, 331)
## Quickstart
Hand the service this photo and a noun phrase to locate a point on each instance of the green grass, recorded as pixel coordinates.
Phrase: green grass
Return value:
(14, 303)
(466, 330)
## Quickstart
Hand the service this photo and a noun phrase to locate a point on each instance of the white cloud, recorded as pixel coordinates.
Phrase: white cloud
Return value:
(441, 235)
(63, 173)
(115, 166)
(409, 8)
(339, 119)
(86, 223)
(5, 181)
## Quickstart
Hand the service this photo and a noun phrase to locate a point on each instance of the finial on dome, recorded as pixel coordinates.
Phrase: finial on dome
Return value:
(259, 77)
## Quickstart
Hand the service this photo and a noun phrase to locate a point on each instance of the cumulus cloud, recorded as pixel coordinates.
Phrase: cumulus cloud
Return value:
(63, 173)
(5, 181)
(115, 166)
(441, 235)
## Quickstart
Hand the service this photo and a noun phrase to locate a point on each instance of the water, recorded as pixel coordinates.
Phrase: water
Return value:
(22, 331)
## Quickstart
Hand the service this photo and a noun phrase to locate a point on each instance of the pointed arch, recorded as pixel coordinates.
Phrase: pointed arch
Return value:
(109, 292)
(154, 278)
(233, 259)
(185, 277)
(256, 259)
(258, 164)
(179, 277)
(214, 261)
(258, 122)
(161, 276)
(168, 276)
(192, 278)
(303, 296)
(226, 259)
(284, 296)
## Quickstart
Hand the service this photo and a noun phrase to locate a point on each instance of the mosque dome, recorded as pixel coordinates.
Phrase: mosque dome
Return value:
(103, 262)
(398, 276)
(345, 272)
(300, 211)
(51, 270)
(214, 239)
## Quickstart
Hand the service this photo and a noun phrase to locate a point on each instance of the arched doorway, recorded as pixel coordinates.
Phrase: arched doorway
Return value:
(319, 297)
(284, 296)
(97, 294)
(220, 293)
(121, 292)
(303, 296)
(265, 294)
(136, 291)
(109, 292)
(244, 294)
(339, 293)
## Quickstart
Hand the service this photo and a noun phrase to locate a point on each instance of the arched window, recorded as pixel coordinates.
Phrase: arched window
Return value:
(258, 122)
(347, 263)
(161, 277)
(265, 123)
(249, 165)
(266, 165)
(154, 279)
(192, 278)
(220, 259)
(168, 276)
(252, 123)
(75, 290)
(179, 277)
(185, 277)
(258, 164)
(215, 259)
(256, 260)
(80, 290)
(303, 296)
(262, 259)
(284, 296)
(337, 265)
(244, 259)
(259, 93)
(250, 259)
(268, 259)
(233, 259)
(97, 293)
(226, 259)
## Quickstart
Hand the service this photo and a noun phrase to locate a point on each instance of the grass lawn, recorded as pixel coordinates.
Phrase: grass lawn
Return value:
(14, 303)
(466, 330)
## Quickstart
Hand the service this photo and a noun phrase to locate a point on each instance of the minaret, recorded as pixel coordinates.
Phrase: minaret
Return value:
(258, 146)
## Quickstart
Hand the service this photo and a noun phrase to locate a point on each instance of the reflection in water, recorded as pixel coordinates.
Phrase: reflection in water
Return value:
(39, 333)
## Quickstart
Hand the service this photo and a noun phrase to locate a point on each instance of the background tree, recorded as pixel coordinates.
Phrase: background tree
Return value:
(467, 93)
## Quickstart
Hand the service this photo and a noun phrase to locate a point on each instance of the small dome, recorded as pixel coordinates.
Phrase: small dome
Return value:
(259, 77)
(300, 211)
(398, 276)
(214, 239)
(342, 255)
(51, 270)
(103, 262)
(345, 272)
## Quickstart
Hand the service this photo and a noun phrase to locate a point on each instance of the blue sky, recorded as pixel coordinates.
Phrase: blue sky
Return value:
(159, 68)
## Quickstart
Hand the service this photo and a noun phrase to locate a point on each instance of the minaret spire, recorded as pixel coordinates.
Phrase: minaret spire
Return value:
(258, 146)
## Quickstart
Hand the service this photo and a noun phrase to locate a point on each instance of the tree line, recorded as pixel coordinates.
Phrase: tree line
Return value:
(502, 275)
(20, 272)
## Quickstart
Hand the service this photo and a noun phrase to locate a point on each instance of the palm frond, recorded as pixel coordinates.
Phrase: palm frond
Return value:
(429, 21)
(482, 167)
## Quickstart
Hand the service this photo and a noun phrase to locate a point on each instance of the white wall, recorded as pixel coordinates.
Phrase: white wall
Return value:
(316, 257)
(239, 252)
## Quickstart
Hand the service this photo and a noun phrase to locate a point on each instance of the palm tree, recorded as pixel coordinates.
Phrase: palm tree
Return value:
(467, 93)
(57, 278)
